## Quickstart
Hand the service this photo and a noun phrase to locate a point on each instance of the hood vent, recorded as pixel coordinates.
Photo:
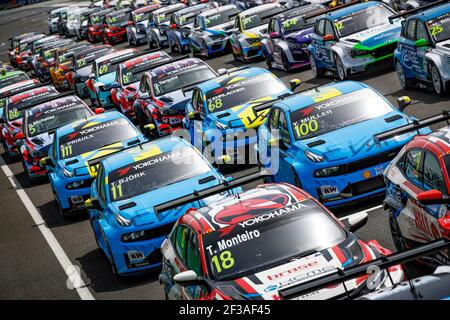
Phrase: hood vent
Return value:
(127, 205)
(393, 118)
(68, 163)
(315, 143)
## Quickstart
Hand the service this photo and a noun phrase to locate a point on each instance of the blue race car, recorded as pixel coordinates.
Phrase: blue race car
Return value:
(181, 25)
(225, 104)
(353, 38)
(285, 45)
(39, 125)
(210, 34)
(77, 150)
(326, 143)
(129, 185)
(422, 56)
(104, 75)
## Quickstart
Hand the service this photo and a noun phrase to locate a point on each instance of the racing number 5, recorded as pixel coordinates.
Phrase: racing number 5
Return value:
(226, 261)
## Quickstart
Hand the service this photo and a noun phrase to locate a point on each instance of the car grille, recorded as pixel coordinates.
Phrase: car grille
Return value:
(384, 50)
(372, 161)
(154, 233)
(367, 185)
(300, 56)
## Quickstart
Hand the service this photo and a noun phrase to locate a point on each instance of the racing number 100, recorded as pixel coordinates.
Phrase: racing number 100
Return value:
(226, 261)
(305, 128)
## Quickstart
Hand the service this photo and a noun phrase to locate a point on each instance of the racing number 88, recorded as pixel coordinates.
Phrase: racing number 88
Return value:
(305, 128)
(226, 261)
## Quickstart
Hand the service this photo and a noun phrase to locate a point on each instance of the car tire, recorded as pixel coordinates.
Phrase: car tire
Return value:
(340, 70)
(397, 238)
(267, 58)
(64, 213)
(285, 62)
(404, 82)
(436, 80)
(317, 73)
(93, 230)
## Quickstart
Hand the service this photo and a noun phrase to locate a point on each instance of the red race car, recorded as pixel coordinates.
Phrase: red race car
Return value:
(418, 185)
(116, 26)
(96, 25)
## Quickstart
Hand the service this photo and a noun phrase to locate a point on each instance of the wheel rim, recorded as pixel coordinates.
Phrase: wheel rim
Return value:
(340, 69)
(396, 234)
(401, 75)
(313, 66)
(436, 79)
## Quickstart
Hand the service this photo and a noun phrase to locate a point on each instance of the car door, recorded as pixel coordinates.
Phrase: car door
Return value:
(421, 68)
(319, 49)
(193, 262)
(407, 49)
(274, 26)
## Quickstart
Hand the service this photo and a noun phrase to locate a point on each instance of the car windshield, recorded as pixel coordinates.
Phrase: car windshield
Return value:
(361, 20)
(19, 103)
(87, 59)
(63, 113)
(186, 19)
(161, 17)
(13, 79)
(440, 28)
(338, 112)
(156, 172)
(87, 138)
(260, 18)
(182, 77)
(132, 72)
(268, 239)
(235, 93)
(297, 23)
(97, 20)
(116, 21)
(219, 18)
(111, 65)
(138, 17)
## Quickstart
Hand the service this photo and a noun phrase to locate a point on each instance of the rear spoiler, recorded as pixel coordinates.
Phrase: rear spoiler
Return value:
(61, 95)
(222, 187)
(319, 13)
(343, 275)
(18, 90)
(414, 126)
(415, 10)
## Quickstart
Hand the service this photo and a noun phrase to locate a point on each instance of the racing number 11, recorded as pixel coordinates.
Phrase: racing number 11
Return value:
(226, 261)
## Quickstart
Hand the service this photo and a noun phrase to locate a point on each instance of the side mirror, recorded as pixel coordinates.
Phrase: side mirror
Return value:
(193, 115)
(421, 43)
(355, 221)
(92, 76)
(46, 162)
(188, 278)
(222, 71)
(144, 96)
(432, 197)
(19, 136)
(273, 142)
(148, 128)
(328, 37)
(99, 110)
(173, 26)
(294, 83)
(274, 35)
(92, 203)
(403, 102)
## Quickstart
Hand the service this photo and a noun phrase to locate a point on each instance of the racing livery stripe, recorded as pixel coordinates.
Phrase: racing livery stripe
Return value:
(245, 285)
(339, 254)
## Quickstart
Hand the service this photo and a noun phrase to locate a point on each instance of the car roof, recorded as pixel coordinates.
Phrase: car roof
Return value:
(217, 10)
(116, 54)
(53, 104)
(308, 97)
(432, 12)
(259, 9)
(351, 9)
(170, 8)
(226, 78)
(278, 195)
(300, 11)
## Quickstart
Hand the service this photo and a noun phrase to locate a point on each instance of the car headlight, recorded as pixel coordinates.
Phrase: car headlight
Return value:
(122, 221)
(253, 40)
(313, 157)
(67, 173)
(357, 52)
(133, 236)
(37, 154)
(78, 184)
(221, 126)
(328, 172)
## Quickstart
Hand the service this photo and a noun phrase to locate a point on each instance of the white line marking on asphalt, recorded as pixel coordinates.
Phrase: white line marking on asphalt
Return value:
(68, 267)
(370, 209)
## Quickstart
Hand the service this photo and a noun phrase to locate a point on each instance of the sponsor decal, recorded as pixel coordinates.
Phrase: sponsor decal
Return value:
(328, 190)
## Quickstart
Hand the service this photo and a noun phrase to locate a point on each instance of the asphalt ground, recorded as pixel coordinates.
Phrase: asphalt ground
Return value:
(29, 269)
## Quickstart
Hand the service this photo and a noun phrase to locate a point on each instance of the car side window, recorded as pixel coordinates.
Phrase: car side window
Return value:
(193, 254)
(421, 32)
(320, 27)
(181, 241)
(273, 119)
(271, 26)
(413, 166)
(237, 23)
(142, 84)
(411, 29)
(197, 103)
(329, 28)
(432, 174)
(283, 127)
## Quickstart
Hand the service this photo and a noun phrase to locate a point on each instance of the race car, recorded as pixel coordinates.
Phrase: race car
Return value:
(158, 24)
(265, 240)
(136, 32)
(285, 46)
(39, 125)
(224, 107)
(14, 111)
(104, 74)
(417, 185)
(180, 27)
(128, 186)
(353, 38)
(325, 139)
(422, 56)
(245, 38)
(82, 64)
(63, 63)
(210, 34)
(76, 152)
(43, 61)
(164, 92)
(82, 23)
(96, 25)
(125, 90)
(10, 77)
(21, 53)
(37, 49)
(116, 26)
(53, 19)
(15, 45)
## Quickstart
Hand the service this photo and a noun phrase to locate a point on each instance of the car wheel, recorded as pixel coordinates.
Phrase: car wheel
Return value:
(437, 80)
(93, 230)
(285, 62)
(317, 73)
(401, 75)
(205, 49)
(340, 70)
(63, 212)
(267, 58)
(30, 180)
(396, 234)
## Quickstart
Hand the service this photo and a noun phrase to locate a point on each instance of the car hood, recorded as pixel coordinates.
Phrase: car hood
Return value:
(176, 100)
(107, 78)
(142, 25)
(301, 36)
(376, 36)
(356, 141)
(142, 212)
(221, 29)
(256, 32)
(266, 284)
(41, 142)
(444, 46)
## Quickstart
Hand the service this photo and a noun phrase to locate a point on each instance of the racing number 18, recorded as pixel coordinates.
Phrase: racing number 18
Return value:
(226, 261)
